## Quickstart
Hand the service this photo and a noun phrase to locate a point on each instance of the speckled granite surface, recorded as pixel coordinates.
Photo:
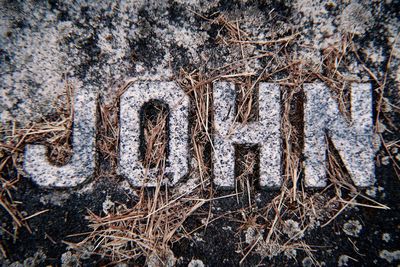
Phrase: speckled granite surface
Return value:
(99, 45)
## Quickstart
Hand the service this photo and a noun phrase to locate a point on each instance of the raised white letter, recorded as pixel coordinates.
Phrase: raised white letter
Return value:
(82, 163)
(265, 132)
(352, 140)
(132, 101)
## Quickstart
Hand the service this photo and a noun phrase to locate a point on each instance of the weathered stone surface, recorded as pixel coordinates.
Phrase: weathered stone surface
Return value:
(83, 161)
(130, 165)
(265, 132)
(353, 140)
(103, 43)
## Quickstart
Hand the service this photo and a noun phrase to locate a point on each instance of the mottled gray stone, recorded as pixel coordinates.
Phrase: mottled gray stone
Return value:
(353, 140)
(82, 164)
(265, 132)
(132, 101)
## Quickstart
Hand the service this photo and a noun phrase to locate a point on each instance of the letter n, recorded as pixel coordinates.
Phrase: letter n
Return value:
(353, 140)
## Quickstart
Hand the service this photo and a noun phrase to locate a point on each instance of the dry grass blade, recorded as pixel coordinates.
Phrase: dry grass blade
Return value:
(150, 226)
(156, 219)
(294, 211)
(153, 223)
(54, 132)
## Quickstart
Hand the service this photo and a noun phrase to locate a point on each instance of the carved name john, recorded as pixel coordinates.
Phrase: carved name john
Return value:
(352, 139)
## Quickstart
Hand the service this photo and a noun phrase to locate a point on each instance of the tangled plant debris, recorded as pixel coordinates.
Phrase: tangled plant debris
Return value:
(157, 219)
(54, 132)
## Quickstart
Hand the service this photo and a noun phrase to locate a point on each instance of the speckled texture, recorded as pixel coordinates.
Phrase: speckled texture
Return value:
(83, 161)
(132, 101)
(353, 140)
(82, 164)
(105, 43)
(265, 132)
